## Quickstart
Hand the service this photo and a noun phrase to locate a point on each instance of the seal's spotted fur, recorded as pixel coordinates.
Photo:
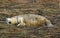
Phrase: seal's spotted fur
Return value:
(29, 20)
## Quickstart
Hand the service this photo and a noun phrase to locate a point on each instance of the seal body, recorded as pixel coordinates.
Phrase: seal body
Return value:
(34, 20)
(30, 20)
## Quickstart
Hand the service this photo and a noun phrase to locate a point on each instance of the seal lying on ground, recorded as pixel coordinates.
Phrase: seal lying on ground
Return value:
(29, 20)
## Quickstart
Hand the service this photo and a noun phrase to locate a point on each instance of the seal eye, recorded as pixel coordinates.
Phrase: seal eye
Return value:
(9, 22)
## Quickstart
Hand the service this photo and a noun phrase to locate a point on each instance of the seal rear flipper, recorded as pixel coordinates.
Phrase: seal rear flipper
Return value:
(48, 23)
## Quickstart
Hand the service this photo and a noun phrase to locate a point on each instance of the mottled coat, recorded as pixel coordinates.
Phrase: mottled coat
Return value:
(30, 20)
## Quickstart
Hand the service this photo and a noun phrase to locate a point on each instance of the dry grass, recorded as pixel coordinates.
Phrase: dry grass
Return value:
(48, 9)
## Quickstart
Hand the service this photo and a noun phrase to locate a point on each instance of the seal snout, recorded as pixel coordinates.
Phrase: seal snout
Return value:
(8, 20)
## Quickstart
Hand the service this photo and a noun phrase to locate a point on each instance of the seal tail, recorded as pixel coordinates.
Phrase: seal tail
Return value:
(48, 23)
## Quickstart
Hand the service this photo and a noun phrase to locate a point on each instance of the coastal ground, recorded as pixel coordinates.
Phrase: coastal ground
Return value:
(49, 9)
